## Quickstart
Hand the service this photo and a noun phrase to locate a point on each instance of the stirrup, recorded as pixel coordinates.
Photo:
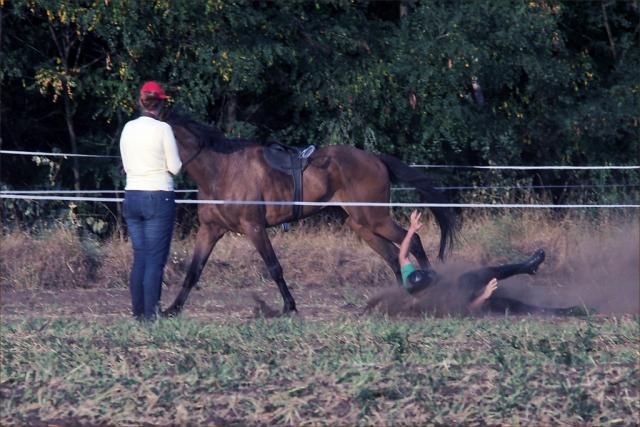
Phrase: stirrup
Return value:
(307, 152)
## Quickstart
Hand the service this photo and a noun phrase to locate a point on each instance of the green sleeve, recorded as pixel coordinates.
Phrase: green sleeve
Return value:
(405, 271)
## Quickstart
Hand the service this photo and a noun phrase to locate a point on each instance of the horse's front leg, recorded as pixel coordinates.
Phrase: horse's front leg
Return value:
(258, 236)
(206, 238)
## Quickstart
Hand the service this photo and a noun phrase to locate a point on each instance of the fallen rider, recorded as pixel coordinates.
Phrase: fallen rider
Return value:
(469, 292)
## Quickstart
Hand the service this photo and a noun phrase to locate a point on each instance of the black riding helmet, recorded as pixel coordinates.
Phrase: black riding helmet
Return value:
(420, 280)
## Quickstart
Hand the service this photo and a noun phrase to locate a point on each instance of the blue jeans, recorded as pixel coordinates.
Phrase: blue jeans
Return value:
(150, 216)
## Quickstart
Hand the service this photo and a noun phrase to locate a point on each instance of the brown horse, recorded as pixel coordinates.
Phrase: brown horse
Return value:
(236, 170)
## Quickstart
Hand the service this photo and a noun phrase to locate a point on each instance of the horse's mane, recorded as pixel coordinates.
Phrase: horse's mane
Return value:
(207, 135)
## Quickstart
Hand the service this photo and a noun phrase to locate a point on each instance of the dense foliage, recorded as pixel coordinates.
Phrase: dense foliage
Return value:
(457, 82)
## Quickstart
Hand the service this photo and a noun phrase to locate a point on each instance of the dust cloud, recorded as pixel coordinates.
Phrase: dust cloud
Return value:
(602, 274)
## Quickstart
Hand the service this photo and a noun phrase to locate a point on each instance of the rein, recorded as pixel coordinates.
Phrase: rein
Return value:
(200, 143)
(200, 147)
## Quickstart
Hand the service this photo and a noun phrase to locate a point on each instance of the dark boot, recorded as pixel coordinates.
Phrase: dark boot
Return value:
(531, 265)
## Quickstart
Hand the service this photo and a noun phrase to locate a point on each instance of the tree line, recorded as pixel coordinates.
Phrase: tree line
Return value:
(540, 82)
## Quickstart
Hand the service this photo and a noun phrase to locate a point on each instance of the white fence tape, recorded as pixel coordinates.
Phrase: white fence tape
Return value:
(77, 191)
(33, 194)
(461, 187)
(528, 167)
(40, 153)
(324, 204)
(629, 167)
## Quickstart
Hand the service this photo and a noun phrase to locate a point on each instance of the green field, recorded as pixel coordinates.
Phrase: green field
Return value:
(501, 370)
(69, 354)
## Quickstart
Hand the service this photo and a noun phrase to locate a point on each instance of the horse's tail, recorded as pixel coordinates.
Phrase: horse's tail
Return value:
(445, 217)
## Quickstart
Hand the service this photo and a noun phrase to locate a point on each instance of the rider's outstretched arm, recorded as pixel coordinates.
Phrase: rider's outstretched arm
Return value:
(414, 226)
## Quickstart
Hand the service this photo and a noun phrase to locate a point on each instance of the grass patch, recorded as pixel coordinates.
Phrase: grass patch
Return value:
(350, 371)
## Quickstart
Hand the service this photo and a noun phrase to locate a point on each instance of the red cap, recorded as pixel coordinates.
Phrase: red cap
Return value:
(153, 87)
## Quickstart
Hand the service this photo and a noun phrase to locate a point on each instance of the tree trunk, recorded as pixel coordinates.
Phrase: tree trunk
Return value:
(403, 10)
(231, 110)
(605, 18)
(68, 116)
(119, 214)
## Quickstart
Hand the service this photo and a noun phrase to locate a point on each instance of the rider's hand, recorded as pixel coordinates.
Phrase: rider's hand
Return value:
(415, 223)
(489, 289)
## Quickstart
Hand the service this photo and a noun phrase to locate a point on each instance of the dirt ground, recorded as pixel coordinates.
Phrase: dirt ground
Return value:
(219, 303)
(320, 299)
(331, 273)
(320, 303)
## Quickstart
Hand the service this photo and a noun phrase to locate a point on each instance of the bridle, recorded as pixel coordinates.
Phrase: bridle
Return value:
(200, 143)
(200, 147)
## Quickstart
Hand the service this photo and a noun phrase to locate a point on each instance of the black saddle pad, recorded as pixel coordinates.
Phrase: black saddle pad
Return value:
(287, 159)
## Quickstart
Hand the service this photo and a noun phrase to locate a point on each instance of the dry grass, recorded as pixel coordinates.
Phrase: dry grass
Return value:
(56, 259)
(311, 255)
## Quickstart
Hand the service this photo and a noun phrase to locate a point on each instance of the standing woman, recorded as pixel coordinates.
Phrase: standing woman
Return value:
(150, 158)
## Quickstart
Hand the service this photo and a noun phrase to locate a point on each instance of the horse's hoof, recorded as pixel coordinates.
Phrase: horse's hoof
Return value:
(290, 312)
(170, 312)
(534, 261)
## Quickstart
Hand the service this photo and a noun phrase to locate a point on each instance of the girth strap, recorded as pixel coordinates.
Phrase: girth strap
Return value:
(291, 161)
(298, 192)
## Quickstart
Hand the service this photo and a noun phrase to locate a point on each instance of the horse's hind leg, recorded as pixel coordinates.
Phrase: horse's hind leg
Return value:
(389, 230)
(387, 250)
(206, 238)
(260, 239)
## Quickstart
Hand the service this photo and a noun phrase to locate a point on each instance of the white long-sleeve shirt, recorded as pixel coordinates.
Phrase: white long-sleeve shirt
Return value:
(149, 155)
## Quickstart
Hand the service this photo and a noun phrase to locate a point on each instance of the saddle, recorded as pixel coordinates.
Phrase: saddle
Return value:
(293, 162)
